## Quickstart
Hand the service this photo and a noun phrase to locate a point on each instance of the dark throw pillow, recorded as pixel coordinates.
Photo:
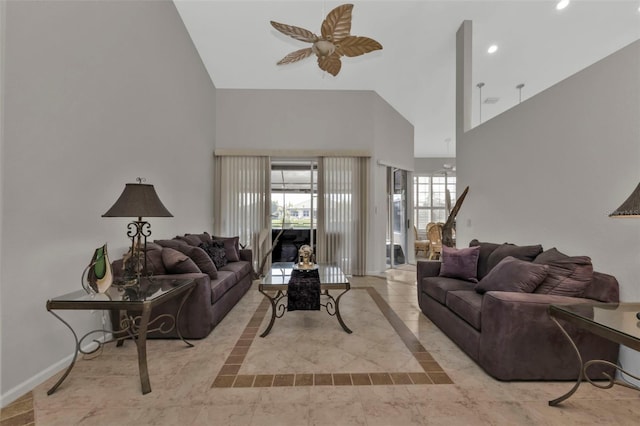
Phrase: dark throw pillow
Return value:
(460, 263)
(178, 263)
(483, 259)
(513, 274)
(216, 251)
(527, 253)
(231, 246)
(568, 275)
(203, 261)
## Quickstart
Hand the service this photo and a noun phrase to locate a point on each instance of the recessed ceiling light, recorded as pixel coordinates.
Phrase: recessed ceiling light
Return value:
(492, 49)
(562, 4)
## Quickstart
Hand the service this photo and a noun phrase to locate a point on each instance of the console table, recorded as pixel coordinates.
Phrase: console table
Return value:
(616, 322)
(133, 305)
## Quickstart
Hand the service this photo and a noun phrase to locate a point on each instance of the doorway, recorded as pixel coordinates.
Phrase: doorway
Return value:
(398, 223)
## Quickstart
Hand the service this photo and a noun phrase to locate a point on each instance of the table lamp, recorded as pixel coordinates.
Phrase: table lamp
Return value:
(630, 208)
(138, 200)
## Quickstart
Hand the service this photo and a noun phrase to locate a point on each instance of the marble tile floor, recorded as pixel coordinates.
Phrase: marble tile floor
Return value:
(106, 389)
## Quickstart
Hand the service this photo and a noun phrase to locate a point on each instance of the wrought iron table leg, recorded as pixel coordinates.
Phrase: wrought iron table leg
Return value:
(344, 326)
(184, 299)
(273, 301)
(141, 345)
(581, 367)
(75, 355)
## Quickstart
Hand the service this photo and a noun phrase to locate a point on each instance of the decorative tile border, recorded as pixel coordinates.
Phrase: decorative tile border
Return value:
(228, 376)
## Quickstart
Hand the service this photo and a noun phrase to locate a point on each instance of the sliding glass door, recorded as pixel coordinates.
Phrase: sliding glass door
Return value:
(398, 220)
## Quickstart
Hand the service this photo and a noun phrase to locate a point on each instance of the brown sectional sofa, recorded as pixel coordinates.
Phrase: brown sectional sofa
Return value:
(510, 334)
(217, 289)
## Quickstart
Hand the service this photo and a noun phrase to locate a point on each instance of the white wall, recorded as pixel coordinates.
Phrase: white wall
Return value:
(97, 93)
(275, 122)
(552, 168)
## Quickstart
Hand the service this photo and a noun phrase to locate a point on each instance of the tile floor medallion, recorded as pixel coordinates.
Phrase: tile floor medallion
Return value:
(309, 348)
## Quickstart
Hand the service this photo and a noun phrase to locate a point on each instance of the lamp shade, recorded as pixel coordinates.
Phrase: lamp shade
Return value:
(138, 200)
(631, 206)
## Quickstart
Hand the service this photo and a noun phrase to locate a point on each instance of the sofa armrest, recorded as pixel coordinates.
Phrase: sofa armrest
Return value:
(428, 268)
(246, 254)
(518, 335)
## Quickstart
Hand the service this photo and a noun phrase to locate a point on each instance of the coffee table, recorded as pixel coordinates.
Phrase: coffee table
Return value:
(275, 284)
(125, 302)
(616, 322)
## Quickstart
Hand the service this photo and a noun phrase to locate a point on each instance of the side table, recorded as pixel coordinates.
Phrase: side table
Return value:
(136, 302)
(616, 322)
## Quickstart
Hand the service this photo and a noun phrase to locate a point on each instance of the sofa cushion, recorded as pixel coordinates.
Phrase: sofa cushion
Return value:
(202, 260)
(438, 287)
(174, 244)
(216, 252)
(513, 274)
(219, 286)
(467, 305)
(231, 246)
(460, 263)
(205, 237)
(241, 269)
(568, 275)
(483, 259)
(176, 262)
(155, 264)
(527, 253)
(192, 240)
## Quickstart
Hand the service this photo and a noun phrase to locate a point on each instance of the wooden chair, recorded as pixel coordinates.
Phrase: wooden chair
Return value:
(434, 235)
(420, 245)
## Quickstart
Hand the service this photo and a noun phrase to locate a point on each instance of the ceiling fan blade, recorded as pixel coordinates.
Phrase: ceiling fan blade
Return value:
(295, 56)
(337, 24)
(330, 64)
(356, 46)
(295, 32)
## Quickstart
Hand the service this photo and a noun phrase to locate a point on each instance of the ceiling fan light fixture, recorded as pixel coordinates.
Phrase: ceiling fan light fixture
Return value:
(562, 4)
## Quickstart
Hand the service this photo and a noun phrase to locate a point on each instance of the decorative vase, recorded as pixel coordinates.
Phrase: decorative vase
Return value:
(99, 275)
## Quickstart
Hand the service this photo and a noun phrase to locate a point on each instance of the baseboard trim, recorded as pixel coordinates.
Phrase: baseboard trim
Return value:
(44, 375)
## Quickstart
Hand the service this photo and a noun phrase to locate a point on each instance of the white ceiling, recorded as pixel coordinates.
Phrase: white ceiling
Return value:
(415, 71)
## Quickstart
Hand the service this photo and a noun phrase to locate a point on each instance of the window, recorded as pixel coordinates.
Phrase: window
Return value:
(430, 199)
(293, 194)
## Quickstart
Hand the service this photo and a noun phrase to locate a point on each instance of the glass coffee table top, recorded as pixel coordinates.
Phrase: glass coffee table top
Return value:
(280, 274)
(611, 318)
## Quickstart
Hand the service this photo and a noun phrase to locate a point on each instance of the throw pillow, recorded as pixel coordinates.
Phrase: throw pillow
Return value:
(483, 259)
(231, 246)
(178, 263)
(460, 263)
(202, 261)
(568, 275)
(527, 253)
(216, 252)
(192, 240)
(513, 274)
(174, 244)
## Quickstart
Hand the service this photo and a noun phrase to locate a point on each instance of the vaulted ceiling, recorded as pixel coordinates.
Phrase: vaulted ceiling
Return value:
(538, 46)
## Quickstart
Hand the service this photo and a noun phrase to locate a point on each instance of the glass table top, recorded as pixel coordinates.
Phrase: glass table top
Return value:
(616, 317)
(148, 290)
(280, 274)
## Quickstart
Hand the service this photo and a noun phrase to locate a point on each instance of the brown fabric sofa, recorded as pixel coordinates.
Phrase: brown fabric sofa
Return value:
(217, 289)
(510, 334)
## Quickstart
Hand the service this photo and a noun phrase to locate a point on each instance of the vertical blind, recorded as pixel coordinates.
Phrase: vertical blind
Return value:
(243, 201)
(342, 212)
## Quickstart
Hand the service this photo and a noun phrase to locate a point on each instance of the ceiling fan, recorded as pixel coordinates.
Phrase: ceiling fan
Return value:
(335, 41)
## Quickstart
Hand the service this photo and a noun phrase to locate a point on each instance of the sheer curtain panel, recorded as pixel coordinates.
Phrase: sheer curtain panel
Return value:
(343, 192)
(242, 198)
